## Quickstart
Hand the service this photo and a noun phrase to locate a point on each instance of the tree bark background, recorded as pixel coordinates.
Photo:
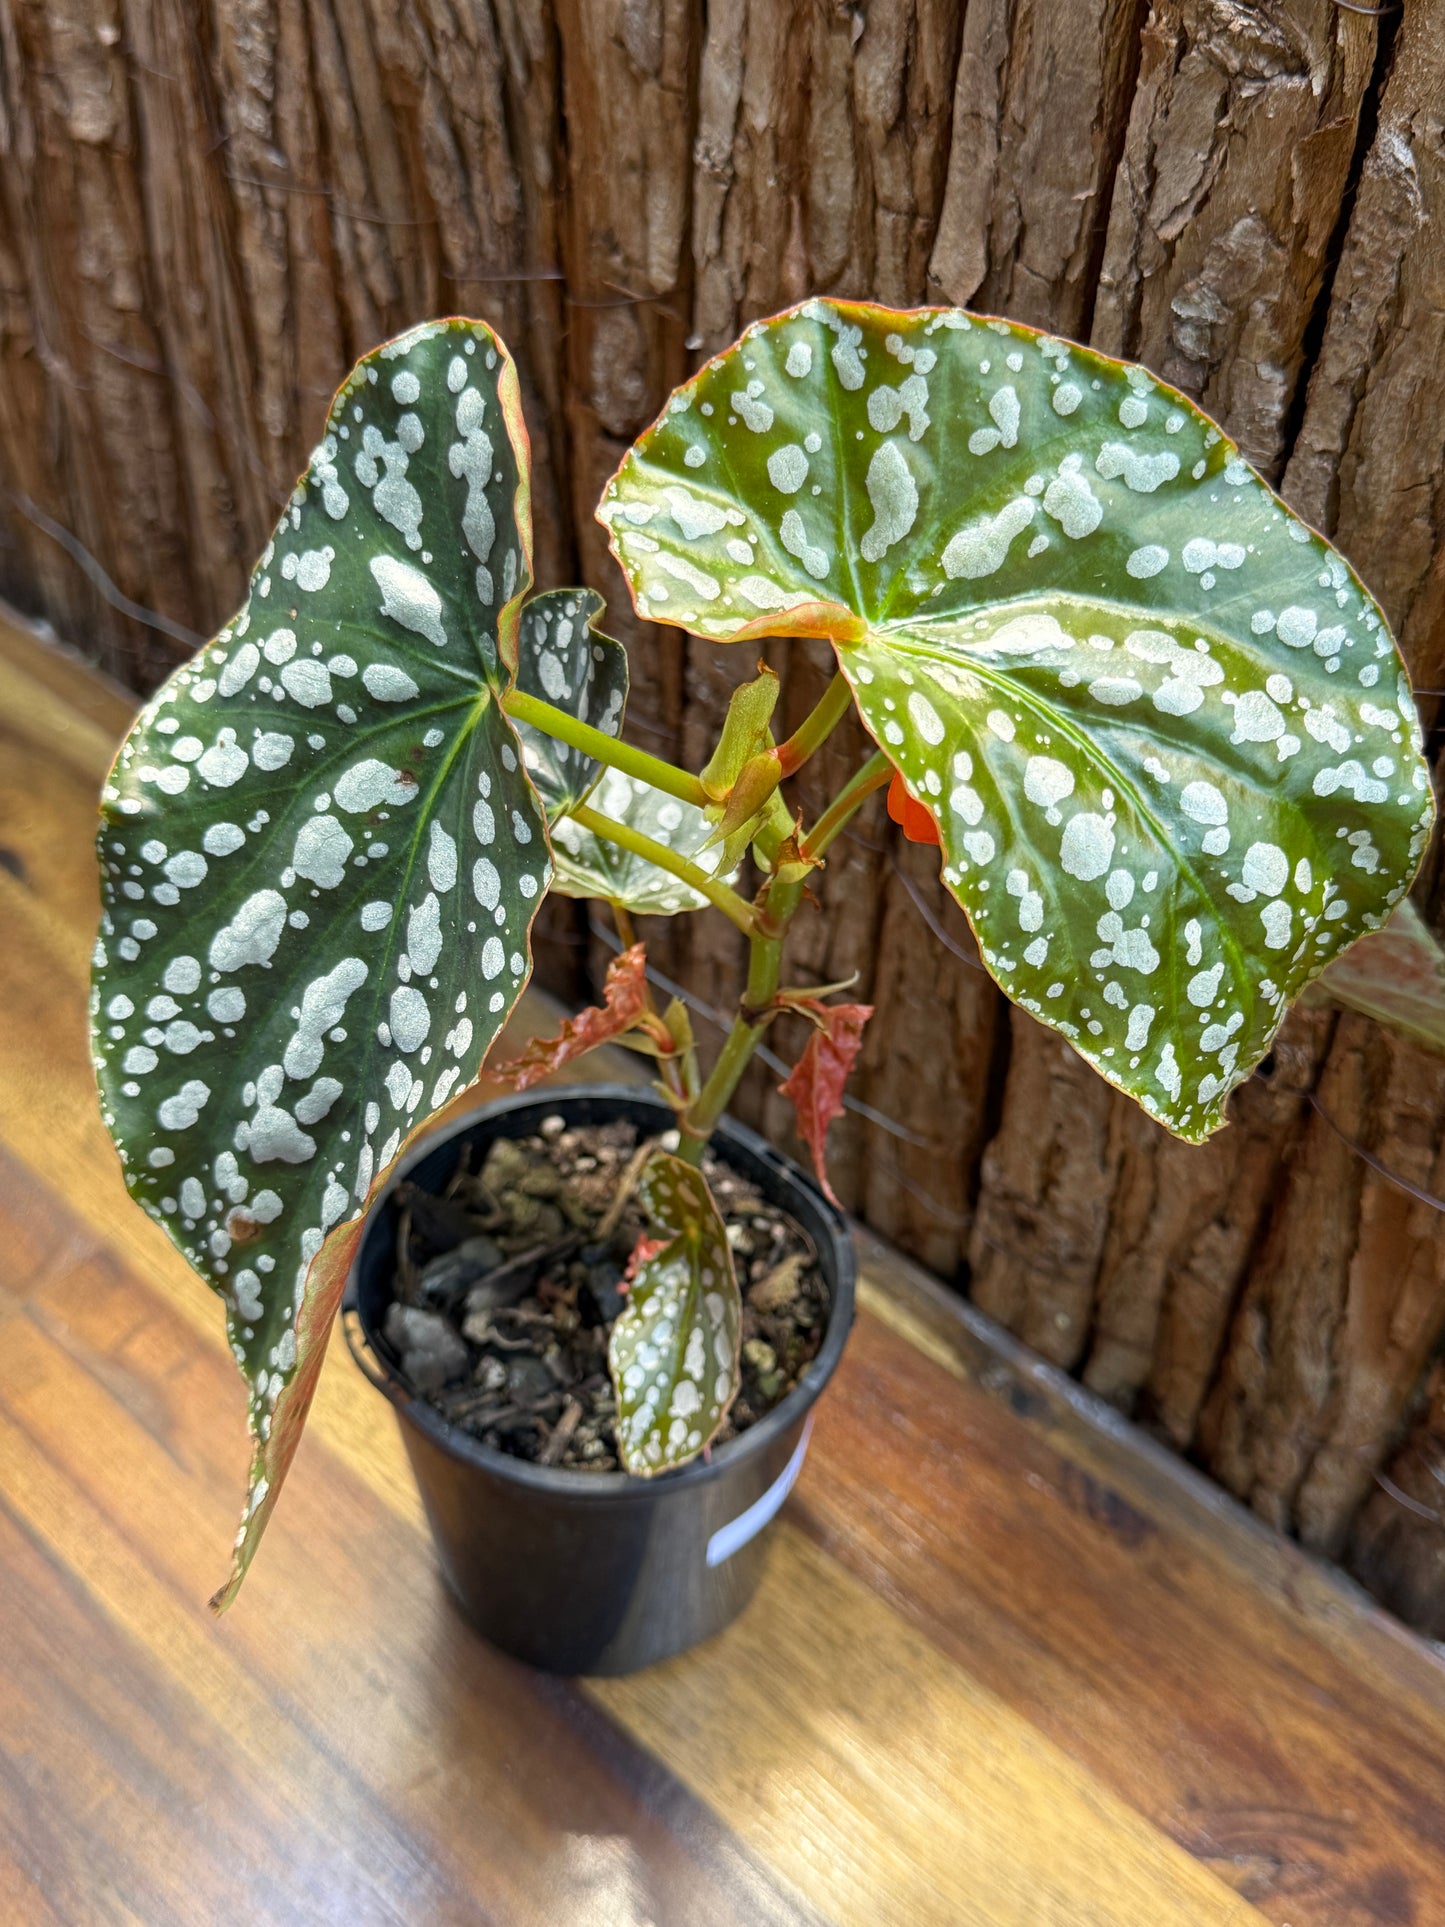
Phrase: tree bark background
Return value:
(209, 208)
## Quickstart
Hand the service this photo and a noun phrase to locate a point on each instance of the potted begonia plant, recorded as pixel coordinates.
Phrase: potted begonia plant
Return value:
(1156, 726)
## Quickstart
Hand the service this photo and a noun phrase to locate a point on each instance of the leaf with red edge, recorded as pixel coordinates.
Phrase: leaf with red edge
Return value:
(916, 823)
(815, 1084)
(625, 1002)
(321, 855)
(1395, 975)
(1161, 727)
(271, 1455)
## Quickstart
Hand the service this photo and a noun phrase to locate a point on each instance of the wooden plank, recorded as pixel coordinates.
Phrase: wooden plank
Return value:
(1042, 96)
(390, 1738)
(888, 1783)
(1366, 465)
(1236, 162)
(99, 1355)
(1249, 1699)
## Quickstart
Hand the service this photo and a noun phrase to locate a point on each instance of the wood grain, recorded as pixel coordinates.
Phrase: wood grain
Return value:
(1042, 97)
(1240, 142)
(207, 211)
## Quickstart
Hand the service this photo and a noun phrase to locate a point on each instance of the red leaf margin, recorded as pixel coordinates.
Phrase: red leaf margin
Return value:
(815, 1083)
(623, 1007)
(916, 823)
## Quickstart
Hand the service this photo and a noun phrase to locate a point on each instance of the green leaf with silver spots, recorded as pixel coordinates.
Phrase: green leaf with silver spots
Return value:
(674, 1350)
(321, 858)
(590, 866)
(566, 661)
(1163, 729)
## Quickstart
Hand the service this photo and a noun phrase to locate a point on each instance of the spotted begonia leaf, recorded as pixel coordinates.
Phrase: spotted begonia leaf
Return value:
(321, 857)
(568, 662)
(674, 1350)
(1395, 975)
(590, 866)
(1161, 726)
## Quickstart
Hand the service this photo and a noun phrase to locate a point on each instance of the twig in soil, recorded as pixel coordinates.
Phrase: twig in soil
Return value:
(480, 1327)
(562, 1433)
(464, 1404)
(463, 1173)
(406, 1270)
(536, 1258)
(613, 1215)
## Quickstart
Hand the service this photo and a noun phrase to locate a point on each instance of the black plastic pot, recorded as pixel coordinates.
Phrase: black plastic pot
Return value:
(581, 1572)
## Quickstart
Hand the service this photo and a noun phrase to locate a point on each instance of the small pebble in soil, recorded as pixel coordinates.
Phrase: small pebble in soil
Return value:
(507, 1286)
(433, 1353)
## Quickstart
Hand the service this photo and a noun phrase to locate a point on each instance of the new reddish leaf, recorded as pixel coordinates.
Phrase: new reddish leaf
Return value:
(1395, 975)
(625, 1001)
(815, 1084)
(916, 823)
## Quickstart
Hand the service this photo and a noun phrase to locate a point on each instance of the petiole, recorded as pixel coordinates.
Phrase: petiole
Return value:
(651, 851)
(556, 723)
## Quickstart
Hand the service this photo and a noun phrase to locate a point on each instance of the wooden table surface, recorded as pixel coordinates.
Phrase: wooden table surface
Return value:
(1010, 1666)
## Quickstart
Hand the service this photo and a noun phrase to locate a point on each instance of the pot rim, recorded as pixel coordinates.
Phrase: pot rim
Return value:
(616, 1487)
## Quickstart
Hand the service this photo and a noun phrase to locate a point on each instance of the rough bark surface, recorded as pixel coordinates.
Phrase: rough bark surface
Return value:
(207, 211)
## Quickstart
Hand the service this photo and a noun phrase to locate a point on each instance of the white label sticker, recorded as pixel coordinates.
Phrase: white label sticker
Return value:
(735, 1534)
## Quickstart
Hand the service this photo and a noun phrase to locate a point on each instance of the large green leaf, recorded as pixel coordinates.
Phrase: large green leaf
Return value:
(566, 660)
(674, 1351)
(590, 866)
(1163, 729)
(321, 858)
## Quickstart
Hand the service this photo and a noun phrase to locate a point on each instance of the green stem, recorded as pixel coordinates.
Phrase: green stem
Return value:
(776, 909)
(774, 831)
(622, 834)
(755, 1012)
(817, 726)
(872, 776)
(523, 708)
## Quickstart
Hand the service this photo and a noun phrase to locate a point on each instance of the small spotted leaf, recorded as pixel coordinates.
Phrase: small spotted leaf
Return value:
(1395, 975)
(674, 1350)
(591, 866)
(321, 857)
(566, 661)
(1162, 729)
